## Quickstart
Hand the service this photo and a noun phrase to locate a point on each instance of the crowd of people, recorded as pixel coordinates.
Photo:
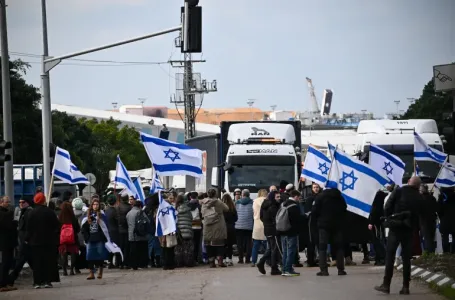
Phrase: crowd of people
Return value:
(66, 234)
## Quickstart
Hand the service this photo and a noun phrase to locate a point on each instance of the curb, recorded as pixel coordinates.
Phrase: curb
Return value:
(430, 277)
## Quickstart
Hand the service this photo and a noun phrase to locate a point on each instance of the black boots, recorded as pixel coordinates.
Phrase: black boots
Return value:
(384, 287)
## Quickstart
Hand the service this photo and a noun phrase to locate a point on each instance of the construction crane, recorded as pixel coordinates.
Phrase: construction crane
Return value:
(314, 101)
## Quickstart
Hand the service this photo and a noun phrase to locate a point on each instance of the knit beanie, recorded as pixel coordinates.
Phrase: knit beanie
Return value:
(39, 199)
(77, 203)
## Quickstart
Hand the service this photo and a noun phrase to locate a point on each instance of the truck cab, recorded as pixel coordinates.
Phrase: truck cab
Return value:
(397, 137)
(260, 155)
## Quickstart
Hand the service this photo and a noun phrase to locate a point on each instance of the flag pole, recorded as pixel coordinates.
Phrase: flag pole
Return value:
(49, 192)
(116, 173)
(439, 173)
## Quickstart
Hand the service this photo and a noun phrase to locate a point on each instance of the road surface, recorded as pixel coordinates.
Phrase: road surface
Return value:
(238, 282)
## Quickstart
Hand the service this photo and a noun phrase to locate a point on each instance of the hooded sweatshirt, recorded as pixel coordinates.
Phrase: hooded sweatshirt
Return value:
(245, 214)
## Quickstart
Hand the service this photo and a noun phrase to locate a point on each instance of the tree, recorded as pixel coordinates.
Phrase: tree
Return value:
(110, 141)
(437, 106)
(26, 116)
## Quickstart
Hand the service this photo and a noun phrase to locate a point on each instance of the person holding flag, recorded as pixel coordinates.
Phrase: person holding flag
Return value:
(166, 227)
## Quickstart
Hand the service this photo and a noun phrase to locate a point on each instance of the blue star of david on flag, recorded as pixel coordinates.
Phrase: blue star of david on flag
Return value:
(166, 211)
(323, 168)
(344, 181)
(388, 168)
(172, 155)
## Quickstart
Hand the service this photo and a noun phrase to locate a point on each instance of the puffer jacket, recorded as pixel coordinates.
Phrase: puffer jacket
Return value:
(269, 209)
(245, 214)
(184, 221)
(258, 228)
(131, 220)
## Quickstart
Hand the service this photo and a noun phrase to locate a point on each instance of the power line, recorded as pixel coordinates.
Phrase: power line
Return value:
(94, 60)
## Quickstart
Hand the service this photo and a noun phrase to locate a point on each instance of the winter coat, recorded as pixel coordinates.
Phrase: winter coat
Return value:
(112, 224)
(214, 234)
(329, 209)
(43, 227)
(429, 210)
(23, 220)
(131, 218)
(406, 198)
(230, 217)
(245, 215)
(184, 221)
(123, 210)
(258, 227)
(446, 211)
(195, 208)
(269, 209)
(295, 218)
(8, 229)
(377, 208)
(79, 214)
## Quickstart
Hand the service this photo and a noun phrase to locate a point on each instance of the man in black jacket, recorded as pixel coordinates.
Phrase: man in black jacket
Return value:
(312, 225)
(122, 210)
(329, 209)
(289, 238)
(25, 251)
(269, 209)
(8, 241)
(402, 217)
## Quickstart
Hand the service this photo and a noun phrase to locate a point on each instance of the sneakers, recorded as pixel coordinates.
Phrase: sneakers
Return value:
(48, 285)
(275, 272)
(322, 273)
(36, 286)
(291, 274)
(342, 273)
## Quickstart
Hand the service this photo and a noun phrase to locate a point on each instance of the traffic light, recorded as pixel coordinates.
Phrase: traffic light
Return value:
(4, 145)
(193, 32)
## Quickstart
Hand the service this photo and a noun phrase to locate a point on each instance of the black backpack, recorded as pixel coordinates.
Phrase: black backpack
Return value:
(142, 225)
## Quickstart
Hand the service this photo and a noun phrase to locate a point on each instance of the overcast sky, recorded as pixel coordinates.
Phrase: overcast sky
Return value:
(370, 52)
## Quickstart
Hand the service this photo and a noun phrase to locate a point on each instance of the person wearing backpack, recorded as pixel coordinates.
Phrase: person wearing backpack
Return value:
(139, 230)
(69, 242)
(269, 209)
(288, 221)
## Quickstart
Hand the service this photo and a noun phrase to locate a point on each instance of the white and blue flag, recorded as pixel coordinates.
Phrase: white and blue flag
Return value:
(357, 181)
(65, 170)
(446, 176)
(140, 191)
(332, 149)
(156, 185)
(123, 177)
(166, 218)
(423, 152)
(388, 163)
(316, 166)
(170, 158)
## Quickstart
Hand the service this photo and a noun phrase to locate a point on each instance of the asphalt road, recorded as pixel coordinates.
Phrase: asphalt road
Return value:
(238, 282)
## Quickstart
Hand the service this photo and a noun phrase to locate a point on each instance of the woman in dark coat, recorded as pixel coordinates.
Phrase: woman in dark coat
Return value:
(230, 217)
(68, 247)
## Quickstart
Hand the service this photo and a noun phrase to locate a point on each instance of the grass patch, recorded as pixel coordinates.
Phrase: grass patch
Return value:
(444, 290)
(435, 263)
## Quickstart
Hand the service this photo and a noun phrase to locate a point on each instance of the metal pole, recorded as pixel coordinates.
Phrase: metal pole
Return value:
(6, 97)
(45, 114)
(45, 56)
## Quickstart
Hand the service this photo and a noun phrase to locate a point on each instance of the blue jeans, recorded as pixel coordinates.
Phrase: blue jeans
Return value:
(154, 246)
(289, 245)
(256, 246)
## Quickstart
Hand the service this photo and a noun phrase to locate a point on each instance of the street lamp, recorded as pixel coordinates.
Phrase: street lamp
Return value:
(250, 103)
(397, 102)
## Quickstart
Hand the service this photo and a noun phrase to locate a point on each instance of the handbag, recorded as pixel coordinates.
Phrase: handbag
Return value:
(171, 241)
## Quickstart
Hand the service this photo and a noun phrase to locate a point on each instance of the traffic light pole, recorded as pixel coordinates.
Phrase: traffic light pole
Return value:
(6, 97)
(47, 65)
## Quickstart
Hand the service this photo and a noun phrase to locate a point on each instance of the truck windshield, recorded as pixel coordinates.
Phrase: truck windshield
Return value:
(260, 172)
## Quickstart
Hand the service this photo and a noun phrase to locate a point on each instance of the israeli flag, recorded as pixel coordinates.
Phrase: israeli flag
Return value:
(332, 149)
(65, 170)
(170, 158)
(156, 185)
(316, 166)
(140, 191)
(124, 178)
(166, 218)
(388, 163)
(423, 152)
(357, 181)
(446, 177)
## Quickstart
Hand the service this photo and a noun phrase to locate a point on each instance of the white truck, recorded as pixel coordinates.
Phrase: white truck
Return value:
(397, 137)
(250, 155)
